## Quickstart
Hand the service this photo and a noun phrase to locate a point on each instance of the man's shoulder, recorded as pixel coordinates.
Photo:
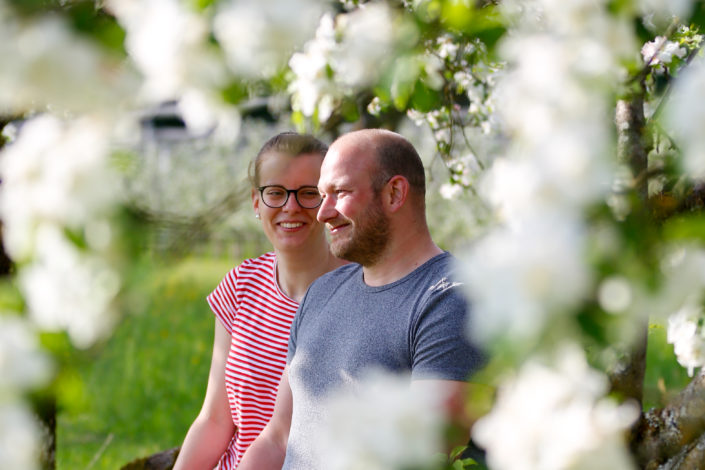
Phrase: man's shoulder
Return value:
(338, 275)
(441, 266)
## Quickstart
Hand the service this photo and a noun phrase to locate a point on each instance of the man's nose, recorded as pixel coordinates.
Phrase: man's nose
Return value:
(326, 210)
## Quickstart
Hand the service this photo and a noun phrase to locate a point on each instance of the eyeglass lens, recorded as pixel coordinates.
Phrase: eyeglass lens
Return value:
(308, 197)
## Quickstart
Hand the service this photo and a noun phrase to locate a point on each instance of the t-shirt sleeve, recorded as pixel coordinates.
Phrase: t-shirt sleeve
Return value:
(223, 300)
(441, 348)
(293, 332)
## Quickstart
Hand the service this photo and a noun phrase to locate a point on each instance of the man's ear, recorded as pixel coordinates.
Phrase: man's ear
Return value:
(396, 191)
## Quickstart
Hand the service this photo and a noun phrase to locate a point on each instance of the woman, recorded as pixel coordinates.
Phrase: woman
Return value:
(255, 303)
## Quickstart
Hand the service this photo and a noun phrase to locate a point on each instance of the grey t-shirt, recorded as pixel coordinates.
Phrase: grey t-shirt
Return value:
(344, 327)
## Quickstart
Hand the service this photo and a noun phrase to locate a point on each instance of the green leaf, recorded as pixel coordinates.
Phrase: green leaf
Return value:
(349, 111)
(458, 14)
(406, 72)
(424, 98)
(235, 92)
(10, 297)
(688, 227)
(455, 453)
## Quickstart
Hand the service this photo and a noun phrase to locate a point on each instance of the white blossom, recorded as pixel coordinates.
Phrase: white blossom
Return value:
(46, 64)
(259, 35)
(686, 117)
(312, 87)
(382, 422)
(661, 51)
(450, 191)
(657, 13)
(368, 44)
(22, 364)
(519, 277)
(56, 172)
(553, 416)
(349, 52)
(66, 289)
(615, 294)
(529, 272)
(687, 335)
(19, 431)
(165, 41)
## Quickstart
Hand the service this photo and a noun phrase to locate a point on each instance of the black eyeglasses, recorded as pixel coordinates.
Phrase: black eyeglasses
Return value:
(276, 196)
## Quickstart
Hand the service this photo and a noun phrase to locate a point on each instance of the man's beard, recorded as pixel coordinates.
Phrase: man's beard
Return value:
(368, 239)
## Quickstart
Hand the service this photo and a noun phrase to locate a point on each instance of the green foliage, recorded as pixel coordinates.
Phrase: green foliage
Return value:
(455, 461)
(84, 16)
(664, 376)
(138, 393)
(685, 227)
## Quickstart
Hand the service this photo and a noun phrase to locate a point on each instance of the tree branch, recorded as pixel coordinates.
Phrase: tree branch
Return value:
(662, 434)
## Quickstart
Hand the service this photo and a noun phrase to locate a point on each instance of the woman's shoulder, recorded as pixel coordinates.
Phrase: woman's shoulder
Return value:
(262, 263)
(265, 260)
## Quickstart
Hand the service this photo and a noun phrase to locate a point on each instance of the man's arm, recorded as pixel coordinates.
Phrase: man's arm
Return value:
(456, 412)
(268, 451)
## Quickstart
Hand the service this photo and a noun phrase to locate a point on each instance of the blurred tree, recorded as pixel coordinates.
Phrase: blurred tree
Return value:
(568, 135)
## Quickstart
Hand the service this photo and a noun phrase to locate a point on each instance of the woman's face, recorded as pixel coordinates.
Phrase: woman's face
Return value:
(290, 226)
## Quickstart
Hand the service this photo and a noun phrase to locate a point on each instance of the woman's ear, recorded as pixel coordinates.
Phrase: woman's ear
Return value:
(255, 202)
(396, 191)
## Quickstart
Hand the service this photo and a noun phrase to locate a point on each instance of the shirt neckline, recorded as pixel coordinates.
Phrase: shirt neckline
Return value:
(361, 281)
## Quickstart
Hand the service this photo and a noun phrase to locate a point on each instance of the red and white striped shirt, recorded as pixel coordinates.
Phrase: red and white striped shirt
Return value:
(258, 315)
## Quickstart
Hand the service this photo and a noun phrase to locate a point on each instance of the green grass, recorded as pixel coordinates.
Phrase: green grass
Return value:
(138, 393)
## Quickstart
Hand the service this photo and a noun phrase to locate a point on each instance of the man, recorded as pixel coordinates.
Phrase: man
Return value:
(397, 309)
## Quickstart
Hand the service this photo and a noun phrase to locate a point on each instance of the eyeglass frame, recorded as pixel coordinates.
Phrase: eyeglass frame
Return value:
(288, 194)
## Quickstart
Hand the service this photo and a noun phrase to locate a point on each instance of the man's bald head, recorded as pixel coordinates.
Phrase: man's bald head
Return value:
(393, 155)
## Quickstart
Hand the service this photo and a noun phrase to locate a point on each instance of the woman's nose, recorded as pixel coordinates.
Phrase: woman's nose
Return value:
(292, 205)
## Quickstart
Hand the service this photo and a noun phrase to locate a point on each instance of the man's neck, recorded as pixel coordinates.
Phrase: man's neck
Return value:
(400, 259)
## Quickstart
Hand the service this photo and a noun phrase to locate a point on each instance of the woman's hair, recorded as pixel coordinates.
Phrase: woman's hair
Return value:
(287, 143)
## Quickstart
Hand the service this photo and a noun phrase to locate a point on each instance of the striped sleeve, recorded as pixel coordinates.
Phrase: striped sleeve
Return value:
(223, 300)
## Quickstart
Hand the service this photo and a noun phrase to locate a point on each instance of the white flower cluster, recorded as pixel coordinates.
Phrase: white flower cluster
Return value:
(685, 117)
(553, 417)
(22, 366)
(658, 13)
(660, 51)
(56, 179)
(681, 298)
(520, 278)
(312, 89)
(686, 332)
(458, 130)
(384, 422)
(48, 64)
(347, 53)
(258, 36)
(169, 45)
(554, 105)
(163, 39)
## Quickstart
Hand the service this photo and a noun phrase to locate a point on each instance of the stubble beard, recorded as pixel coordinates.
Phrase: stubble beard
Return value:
(368, 239)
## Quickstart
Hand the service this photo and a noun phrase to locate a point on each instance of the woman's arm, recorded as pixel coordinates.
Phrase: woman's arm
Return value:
(213, 428)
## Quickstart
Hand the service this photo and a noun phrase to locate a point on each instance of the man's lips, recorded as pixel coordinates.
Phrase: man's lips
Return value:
(334, 228)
